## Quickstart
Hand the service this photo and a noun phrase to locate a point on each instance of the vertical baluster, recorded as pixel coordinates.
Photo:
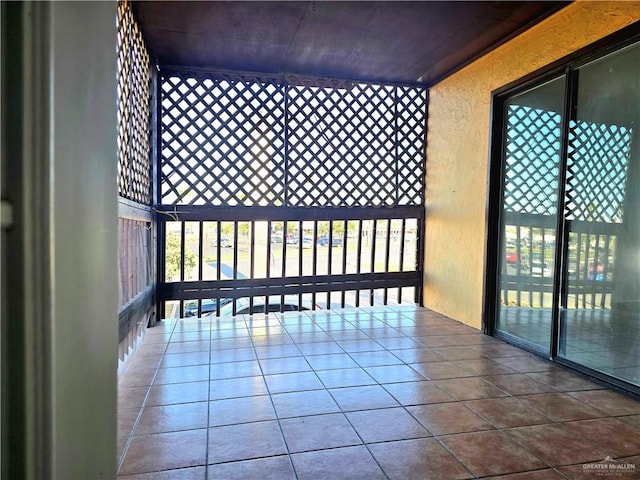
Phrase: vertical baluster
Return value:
(182, 245)
(402, 238)
(344, 259)
(300, 265)
(200, 260)
(374, 234)
(252, 254)
(284, 242)
(386, 259)
(359, 259)
(315, 260)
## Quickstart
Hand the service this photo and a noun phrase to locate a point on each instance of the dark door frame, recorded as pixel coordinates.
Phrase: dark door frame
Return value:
(568, 66)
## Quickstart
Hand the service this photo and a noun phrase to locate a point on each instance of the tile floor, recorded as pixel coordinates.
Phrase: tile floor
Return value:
(380, 393)
(600, 339)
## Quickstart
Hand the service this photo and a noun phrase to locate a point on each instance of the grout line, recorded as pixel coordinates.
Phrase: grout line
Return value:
(277, 419)
(206, 453)
(346, 319)
(130, 436)
(326, 389)
(365, 444)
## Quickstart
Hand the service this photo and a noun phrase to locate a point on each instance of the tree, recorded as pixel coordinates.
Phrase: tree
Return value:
(172, 257)
(338, 228)
(226, 229)
(243, 229)
(323, 228)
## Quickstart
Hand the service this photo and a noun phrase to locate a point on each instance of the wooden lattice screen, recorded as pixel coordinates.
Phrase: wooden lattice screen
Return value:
(135, 249)
(229, 139)
(259, 173)
(134, 94)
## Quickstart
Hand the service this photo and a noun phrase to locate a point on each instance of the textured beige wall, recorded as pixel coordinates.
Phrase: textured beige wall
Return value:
(458, 148)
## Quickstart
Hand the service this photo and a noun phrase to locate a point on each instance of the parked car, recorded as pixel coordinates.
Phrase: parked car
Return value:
(209, 306)
(292, 240)
(336, 241)
(596, 271)
(307, 242)
(224, 243)
(540, 269)
(516, 264)
(512, 257)
(243, 306)
(276, 238)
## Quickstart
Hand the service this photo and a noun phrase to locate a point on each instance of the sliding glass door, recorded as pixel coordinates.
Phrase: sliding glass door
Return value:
(529, 214)
(567, 248)
(600, 321)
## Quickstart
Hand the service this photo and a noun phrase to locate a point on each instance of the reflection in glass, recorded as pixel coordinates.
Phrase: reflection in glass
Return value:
(531, 158)
(600, 321)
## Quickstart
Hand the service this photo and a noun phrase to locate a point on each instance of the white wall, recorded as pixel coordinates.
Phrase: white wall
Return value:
(84, 239)
(59, 293)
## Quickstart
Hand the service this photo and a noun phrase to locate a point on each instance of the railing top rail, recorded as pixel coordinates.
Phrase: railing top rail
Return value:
(257, 213)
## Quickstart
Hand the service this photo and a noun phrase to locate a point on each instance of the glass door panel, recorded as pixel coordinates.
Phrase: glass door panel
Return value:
(531, 159)
(600, 300)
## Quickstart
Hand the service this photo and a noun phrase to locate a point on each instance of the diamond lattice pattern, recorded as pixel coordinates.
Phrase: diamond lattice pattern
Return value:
(134, 87)
(532, 160)
(410, 144)
(231, 140)
(598, 158)
(222, 141)
(597, 171)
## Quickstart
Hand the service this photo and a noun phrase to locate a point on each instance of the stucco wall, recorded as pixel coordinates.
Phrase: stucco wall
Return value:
(458, 148)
